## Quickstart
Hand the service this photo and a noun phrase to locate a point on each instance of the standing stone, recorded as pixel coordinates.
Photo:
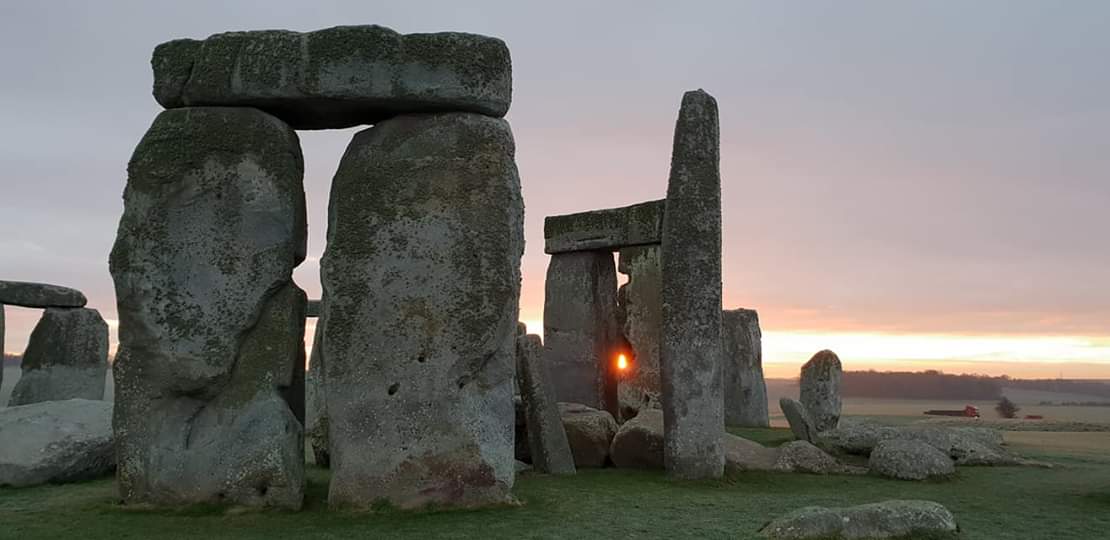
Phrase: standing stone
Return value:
(39, 295)
(547, 440)
(690, 355)
(821, 389)
(316, 407)
(801, 424)
(580, 334)
(641, 318)
(744, 387)
(422, 281)
(66, 358)
(211, 323)
(1, 345)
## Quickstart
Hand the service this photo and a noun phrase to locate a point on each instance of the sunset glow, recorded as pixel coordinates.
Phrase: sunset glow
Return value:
(622, 362)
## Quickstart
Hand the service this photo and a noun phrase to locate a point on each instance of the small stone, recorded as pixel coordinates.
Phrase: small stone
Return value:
(798, 418)
(547, 440)
(40, 295)
(638, 443)
(590, 433)
(66, 358)
(56, 442)
(744, 455)
(609, 229)
(820, 384)
(744, 387)
(909, 460)
(887, 519)
(801, 456)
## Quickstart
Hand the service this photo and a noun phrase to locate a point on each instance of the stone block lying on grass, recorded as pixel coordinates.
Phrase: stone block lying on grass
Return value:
(56, 442)
(910, 460)
(589, 432)
(887, 519)
(967, 446)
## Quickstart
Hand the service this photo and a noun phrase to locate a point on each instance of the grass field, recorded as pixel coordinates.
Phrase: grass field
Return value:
(1071, 500)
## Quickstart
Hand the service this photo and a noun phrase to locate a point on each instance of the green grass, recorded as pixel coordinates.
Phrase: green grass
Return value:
(1071, 500)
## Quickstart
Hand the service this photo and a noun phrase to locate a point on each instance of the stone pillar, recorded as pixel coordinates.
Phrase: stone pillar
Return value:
(744, 388)
(641, 318)
(820, 390)
(316, 407)
(422, 281)
(690, 355)
(1, 345)
(580, 333)
(547, 440)
(211, 323)
(66, 358)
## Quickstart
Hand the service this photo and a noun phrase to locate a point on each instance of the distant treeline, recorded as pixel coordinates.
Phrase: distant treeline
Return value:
(939, 385)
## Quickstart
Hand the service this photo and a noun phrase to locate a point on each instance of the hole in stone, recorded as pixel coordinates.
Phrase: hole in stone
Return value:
(393, 388)
(262, 490)
(421, 359)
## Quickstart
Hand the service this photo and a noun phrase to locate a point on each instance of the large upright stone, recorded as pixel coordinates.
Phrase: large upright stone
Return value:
(744, 387)
(690, 354)
(547, 440)
(66, 358)
(821, 389)
(337, 77)
(580, 334)
(641, 319)
(316, 407)
(422, 281)
(39, 295)
(211, 353)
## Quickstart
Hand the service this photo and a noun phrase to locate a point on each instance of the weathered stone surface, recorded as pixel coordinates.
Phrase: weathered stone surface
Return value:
(66, 358)
(638, 443)
(55, 442)
(1, 345)
(337, 77)
(798, 418)
(821, 389)
(580, 334)
(547, 440)
(801, 456)
(744, 388)
(590, 433)
(312, 309)
(422, 279)
(909, 460)
(316, 413)
(744, 455)
(967, 446)
(40, 295)
(211, 358)
(640, 315)
(887, 519)
(609, 229)
(690, 354)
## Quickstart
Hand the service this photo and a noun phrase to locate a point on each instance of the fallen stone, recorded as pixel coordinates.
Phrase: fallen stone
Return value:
(66, 358)
(547, 440)
(638, 443)
(580, 333)
(590, 433)
(744, 455)
(820, 391)
(609, 229)
(55, 442)
(966, 446)
(690, 353)
(803, 457)
(744, 387)
(798, 418)
(422, 280)
(640, 316)
(909, 460)
(210, 366)
(40, 295)
(337, 77)
(887, 519)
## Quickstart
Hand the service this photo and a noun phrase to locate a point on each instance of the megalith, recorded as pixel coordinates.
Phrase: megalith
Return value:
(211, 324)
(580, 332)
(547, 440)
(820, 389)
(744, 388)
(641, 320)
(316, 407)
(690, 353)
(40, 295)
(422, 280)
(66, 358)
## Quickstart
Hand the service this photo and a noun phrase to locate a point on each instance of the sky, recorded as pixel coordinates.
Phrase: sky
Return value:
(912, 184)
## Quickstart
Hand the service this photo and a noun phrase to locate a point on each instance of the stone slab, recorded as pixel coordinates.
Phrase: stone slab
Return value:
(66, 358)
(547, 440)
(40, 295)
(640, 317)
(611, 228)
(744, 386)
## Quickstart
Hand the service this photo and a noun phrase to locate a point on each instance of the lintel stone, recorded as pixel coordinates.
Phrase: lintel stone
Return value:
(611, 228)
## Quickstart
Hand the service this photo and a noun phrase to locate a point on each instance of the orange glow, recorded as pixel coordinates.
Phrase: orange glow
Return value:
(622, 362)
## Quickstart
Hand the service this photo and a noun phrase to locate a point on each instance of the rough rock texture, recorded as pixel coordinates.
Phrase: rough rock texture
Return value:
(744, 388)
(800, 422)
(337, 77)
(640, 316)
(909, 460)
(55, 442)
(690, 354)
(801, 456)
(520, 431)
(967, 446)
(887, 519)
(66, 358)
(638, 443)
(589, 431)
(744, 455)
(316, 413)
(821, 389)
(608, 229)
(210, 366)
(39, 295)
(1, 346)
(580, 333)
(422, 281)
(312, 309)
(547, 440)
